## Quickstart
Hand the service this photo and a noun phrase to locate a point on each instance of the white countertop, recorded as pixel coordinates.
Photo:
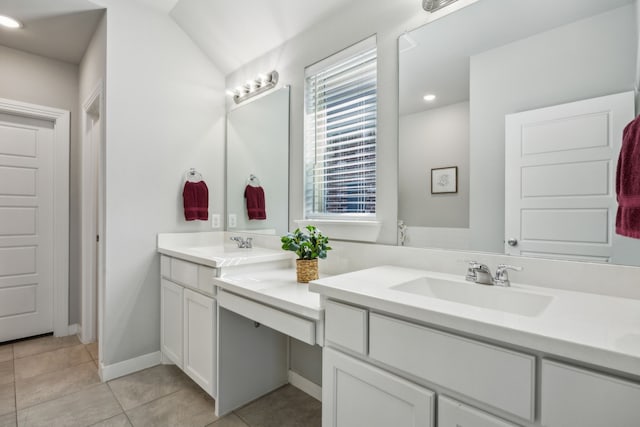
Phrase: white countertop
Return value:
(223, 255)
(596, 329)
(275, 287)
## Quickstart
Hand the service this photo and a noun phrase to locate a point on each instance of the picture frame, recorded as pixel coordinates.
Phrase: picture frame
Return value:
(444, 180)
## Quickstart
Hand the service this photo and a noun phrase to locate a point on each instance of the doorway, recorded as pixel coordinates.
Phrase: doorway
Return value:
(92, 215)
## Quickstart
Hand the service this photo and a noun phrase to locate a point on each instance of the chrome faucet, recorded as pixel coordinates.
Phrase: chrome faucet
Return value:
(502, 275)
(242, 243)
(479, 273)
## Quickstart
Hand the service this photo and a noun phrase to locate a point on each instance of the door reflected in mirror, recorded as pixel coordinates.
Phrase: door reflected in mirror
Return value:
(492, 60)
(258, 165)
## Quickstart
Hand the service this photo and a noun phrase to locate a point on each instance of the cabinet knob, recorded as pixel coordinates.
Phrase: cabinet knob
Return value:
(512, 241)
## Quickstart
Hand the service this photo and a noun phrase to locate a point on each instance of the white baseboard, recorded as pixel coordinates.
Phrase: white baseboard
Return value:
(300, 382)
(117, 370)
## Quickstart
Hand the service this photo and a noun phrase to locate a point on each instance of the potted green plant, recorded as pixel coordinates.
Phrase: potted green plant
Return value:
(309, 247)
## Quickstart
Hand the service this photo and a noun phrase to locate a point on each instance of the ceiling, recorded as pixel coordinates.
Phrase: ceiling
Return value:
(232, 33)
(439, 61)
(59, 29)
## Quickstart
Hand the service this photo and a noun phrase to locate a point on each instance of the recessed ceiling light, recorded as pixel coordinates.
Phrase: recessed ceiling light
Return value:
(9, 22)
(429, 97)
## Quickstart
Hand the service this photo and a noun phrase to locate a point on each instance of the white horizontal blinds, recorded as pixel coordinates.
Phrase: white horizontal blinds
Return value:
(340, 133)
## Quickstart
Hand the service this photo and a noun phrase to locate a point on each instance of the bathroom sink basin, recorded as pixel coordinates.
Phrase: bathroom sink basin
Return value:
(508, 300)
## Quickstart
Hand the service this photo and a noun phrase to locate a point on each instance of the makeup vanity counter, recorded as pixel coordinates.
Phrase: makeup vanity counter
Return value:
(485, 355)
(227, 313)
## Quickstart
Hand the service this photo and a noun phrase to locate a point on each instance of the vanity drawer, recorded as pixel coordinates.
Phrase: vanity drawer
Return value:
(498, 377)
(184, 272)
(578, 397)
(346, 326)
(455, 414)
(289, 324)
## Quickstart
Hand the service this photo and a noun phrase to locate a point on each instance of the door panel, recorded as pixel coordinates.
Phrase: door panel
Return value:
(26, 226)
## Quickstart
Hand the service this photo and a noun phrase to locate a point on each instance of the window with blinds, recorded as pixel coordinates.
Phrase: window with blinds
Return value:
(340, 133)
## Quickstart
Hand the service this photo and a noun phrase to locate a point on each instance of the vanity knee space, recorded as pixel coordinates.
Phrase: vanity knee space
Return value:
(471, 382)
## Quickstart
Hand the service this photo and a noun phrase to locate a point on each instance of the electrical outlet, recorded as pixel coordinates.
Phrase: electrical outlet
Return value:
(233, 221)
(215, 221)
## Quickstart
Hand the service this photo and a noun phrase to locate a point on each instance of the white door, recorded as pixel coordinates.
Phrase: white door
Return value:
(199, 336)
(26, 226)
(560, 170)
(355, 393)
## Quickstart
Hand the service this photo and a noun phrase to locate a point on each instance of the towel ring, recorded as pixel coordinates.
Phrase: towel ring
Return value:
(193, 175)
(253, 181)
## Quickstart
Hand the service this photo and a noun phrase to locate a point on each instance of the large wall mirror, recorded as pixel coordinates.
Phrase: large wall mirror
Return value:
(258, 164)
(537, 91)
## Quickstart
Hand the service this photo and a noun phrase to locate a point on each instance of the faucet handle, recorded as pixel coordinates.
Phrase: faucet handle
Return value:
(502, 274)
(247, 243)
(471, 270)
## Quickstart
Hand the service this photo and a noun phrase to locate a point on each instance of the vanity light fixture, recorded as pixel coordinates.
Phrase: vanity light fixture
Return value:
(429, 97)
(251, 88)
(9, 22)
(433, 5)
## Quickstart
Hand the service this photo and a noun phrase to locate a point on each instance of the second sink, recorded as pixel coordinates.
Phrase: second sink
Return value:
(500, 299)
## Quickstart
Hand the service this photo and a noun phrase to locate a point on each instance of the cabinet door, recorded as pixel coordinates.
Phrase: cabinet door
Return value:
(455, 414)
(578, 397)
(200, 340)
(355, 393)
(171, 321)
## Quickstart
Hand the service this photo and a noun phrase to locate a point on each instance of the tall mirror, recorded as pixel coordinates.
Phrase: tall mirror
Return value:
(258, 165)
(510, 124)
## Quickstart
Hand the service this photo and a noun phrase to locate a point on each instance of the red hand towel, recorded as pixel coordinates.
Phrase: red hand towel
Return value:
(255, 202)
(196, 201)
(628, 182)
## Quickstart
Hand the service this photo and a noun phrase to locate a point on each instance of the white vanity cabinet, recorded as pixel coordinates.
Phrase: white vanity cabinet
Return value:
(374, 361)
(188, 320)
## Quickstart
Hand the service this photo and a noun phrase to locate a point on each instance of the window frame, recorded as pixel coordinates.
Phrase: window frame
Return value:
(309, 145)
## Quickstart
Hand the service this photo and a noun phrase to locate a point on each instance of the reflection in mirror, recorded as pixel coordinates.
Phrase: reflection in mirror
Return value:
(258, 165)
(494, 63)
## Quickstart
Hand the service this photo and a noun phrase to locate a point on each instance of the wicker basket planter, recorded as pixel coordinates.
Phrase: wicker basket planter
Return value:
(307, 270)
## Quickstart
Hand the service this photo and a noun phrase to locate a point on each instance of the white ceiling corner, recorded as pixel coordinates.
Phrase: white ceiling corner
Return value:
(164, 6)
(233, 33)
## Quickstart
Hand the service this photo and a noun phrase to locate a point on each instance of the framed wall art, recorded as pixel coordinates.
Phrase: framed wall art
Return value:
(444, 180)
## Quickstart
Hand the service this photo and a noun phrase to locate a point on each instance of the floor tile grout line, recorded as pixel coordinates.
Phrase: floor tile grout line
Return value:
(108, 384)
(42, 352)
(241, 419)
(48, 372)
(56, 396)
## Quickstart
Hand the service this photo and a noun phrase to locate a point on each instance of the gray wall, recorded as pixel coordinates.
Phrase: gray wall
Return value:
(433, 138)
(38, 80)
(566, 64)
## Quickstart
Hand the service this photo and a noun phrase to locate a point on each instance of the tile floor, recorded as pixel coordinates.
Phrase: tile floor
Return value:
(54, 382)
